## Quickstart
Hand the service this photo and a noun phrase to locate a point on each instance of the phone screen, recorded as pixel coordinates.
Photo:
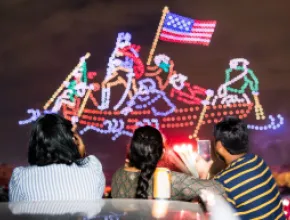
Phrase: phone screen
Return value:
(203, 149)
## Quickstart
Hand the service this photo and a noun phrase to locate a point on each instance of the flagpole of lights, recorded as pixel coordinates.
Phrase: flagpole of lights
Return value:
(154, 44)
(86, 98)
(258, 107)
(201, 117)
(81, 110)
(56, 93)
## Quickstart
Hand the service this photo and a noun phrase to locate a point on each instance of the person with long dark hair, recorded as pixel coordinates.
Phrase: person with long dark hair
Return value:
(135, 179)
(59, 169)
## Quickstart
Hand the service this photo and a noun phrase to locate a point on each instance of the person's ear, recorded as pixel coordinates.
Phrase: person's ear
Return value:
(219, 148)
(74, 128)
(80, 145)
(82, 150)
(163, 153)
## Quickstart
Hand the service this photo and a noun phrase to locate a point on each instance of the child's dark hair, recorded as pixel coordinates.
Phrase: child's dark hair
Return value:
(233, 134)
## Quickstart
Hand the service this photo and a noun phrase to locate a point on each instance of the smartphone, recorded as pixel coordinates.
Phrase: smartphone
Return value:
(203, 149)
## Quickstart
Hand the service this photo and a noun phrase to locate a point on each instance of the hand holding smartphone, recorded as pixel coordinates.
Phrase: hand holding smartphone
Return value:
(203, 149)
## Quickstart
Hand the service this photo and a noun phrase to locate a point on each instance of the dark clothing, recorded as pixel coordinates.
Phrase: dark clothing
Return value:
(183, 187)
(251, 189)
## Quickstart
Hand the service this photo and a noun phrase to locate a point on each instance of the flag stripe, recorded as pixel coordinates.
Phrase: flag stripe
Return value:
(184, 42)
(205, 30)
(207, 24)
(170, 38)
(194, 39)
(180, 34)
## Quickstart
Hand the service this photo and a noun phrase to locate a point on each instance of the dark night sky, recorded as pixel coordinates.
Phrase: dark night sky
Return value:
(41, 41)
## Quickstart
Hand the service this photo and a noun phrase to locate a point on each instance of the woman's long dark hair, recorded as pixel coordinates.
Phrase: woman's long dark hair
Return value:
(52, 142)
(145, 151)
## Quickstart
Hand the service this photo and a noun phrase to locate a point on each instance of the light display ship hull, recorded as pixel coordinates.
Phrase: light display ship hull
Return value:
(182, 117)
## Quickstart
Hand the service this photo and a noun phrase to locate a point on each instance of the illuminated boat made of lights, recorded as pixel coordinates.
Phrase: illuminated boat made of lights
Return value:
(190, 106)
(93, 119)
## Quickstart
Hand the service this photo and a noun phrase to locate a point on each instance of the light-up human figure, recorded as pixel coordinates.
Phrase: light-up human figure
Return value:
(184, 92)
(163, 62)
(163, 65)
(147, 97)
(181, 89)
(74, 88)
(130, 64)
(250, 81)
(123, 40)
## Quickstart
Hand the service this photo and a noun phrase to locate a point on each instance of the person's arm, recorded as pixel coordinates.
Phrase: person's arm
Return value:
(102, 185)
(171, 157)
(214, 205)
(189, 159)
(198, 167)
(15, 194)
(228, 195)
(253, 81)
(203, 167)
(187, 188)
(97, 168)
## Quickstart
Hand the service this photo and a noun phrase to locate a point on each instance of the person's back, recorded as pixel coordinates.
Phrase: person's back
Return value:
(58, 182)
(247, 180)
(183, 186)
(135, 180)
(58, 169)
(251, 188)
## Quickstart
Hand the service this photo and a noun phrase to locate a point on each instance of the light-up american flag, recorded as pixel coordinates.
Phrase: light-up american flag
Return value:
(185, 30)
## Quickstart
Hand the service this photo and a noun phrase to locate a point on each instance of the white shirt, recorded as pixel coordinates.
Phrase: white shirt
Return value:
(58, 182)
(90, 209)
